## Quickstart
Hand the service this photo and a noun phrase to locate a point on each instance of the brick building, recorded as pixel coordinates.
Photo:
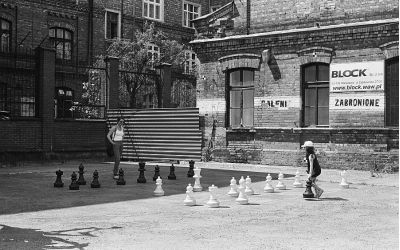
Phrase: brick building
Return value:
(47, 49)
(274, 74)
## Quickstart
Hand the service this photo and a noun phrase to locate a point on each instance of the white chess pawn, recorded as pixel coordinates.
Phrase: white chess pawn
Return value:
(159, 191)
(190, 200)
(297, 183)
(197, 186)
(233, 191)
(212, 202)
(268, 187)
(344, 183)
(280, 184)
(248, 190)
(242, 198)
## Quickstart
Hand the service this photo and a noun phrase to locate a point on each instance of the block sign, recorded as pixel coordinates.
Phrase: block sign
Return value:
(357, 76)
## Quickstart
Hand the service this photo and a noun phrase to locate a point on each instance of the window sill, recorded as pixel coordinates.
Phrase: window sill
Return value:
(240, 130)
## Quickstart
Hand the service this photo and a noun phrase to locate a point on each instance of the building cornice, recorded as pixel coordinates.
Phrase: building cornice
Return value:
(292, 31)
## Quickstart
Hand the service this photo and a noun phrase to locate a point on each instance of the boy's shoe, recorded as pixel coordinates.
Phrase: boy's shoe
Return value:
(318, 192)
(116, 177)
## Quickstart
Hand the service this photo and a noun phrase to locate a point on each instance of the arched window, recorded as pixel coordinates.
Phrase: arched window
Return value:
(61, 39)
(5, 35)
(392, 92)
(315, 94)
(241, 98)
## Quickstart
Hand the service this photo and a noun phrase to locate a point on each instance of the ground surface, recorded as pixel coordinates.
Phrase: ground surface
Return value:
(35, 215)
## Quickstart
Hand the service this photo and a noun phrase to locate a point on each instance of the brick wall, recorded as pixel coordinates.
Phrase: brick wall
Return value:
(289, 14)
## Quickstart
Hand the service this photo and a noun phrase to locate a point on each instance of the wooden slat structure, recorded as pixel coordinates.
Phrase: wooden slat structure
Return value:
(160, 134)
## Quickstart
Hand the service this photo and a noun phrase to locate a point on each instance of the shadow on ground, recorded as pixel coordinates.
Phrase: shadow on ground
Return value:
(21, 238)
(34, 191)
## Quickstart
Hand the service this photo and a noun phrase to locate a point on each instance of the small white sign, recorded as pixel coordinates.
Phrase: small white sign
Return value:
(357, 76)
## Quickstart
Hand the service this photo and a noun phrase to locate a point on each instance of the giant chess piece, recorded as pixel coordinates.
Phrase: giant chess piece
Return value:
(242, 198)
(248, 190)
(156, 172)
(212, 202)
(58, 183)
(159, 191)
(233, 191)
(95, 183)
(280, 184)
(189, 200)
(121, 180)
(190, 172)
(74, 185)
(81, 179)
(141, 170)
(344, 183)
(172, 175)
(308, 193)
(268, 187)
(297, 183)
(197, 186)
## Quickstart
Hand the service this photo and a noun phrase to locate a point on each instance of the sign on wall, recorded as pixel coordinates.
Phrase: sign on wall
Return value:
(362, 102)
(357, 76)
(277, 102)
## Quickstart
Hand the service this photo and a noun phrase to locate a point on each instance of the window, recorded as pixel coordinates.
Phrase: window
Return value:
(63, 102)
(190, 12)
(153, 9)
(315, 96)
(153, 51)
(241, 98)
(214, 8)
(190, 62)
(392, 92)
(5, 34)
(61, 39)
(112, 24)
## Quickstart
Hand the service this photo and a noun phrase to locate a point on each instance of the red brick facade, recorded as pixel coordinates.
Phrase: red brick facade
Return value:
(278, 39)
(42, 135)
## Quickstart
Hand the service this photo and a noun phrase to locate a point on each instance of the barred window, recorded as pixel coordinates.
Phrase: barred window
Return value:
(5, 34)
(61, 39)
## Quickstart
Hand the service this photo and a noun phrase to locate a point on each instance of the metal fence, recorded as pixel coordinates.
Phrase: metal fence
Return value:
(18, 88)
(139, 90)
(183, 92)
(80, 92)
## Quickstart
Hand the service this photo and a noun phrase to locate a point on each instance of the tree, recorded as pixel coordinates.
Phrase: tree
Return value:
(135, 57)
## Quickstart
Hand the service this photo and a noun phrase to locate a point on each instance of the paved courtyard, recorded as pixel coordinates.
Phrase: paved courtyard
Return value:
(35, 215)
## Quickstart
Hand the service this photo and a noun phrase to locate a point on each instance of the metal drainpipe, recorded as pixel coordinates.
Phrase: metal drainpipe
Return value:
(248, 16)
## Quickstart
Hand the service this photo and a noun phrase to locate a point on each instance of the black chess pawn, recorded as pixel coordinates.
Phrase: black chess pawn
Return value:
(172, 175)
(308, 193)
(156, 173)
(141, 170)
(121, 180)
(58, 183)
(191, 169)
(74, 185)
(81, 179)
(95, 183)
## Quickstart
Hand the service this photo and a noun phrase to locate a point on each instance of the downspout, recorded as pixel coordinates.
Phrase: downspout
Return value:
(90, 33)
(248, 17)
(122, 19)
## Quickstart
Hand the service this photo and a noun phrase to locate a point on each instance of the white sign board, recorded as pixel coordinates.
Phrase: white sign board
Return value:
(357, 76)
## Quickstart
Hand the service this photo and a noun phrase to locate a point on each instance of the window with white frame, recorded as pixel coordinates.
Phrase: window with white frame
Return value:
(190, 12)
(153, 51)
(153, 9)
(190, 62)
(112, 24)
